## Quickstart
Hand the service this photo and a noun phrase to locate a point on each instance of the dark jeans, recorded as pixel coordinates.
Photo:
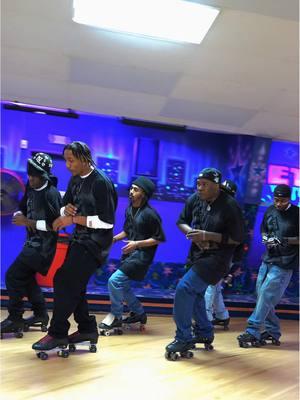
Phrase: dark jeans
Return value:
(20, 282)
(70, 283)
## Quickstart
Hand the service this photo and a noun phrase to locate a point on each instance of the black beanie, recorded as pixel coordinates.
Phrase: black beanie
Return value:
(212, 174)
(282, 191)
(146, 184)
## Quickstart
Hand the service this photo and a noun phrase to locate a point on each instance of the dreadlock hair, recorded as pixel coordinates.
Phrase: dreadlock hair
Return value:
(81, 151)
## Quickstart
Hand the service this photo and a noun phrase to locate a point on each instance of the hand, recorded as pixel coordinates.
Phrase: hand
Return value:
(21, 220)
(130, 246)
(70, 210)
(62, 222)
(272, 242)
(196, 236)
(204, 245)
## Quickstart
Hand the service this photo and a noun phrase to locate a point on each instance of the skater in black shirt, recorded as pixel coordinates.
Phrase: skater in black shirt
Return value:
(39, 207)
(215, 307)
(89, 203)
(143, 231)
(213, 221)
(280, 234)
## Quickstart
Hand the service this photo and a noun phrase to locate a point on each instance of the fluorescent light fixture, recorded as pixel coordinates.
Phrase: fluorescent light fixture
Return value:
(37, 109)
(175, 20)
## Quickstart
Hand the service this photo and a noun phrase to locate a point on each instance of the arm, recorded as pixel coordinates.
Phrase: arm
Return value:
(136, 244)
(204, 236)
(119, 236)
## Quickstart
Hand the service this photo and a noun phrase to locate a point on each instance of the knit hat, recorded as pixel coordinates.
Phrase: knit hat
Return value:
(282, 191)
(146, 184)
(212, 174)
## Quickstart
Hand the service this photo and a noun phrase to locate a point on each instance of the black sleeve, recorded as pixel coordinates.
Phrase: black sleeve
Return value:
(236, 224)
(68, 197)
(263, 226)
(126, 225)
(23, 202)
(54, 204)
(155, 227)
(105, 197)
(186, 215)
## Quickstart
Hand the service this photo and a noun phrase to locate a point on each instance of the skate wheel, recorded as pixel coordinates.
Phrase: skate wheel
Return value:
(119, 332)
(1, 336)
(43, 356)
(208, 347)
(26, 328)
(171, 356)
(142, 328)
(187, 354)
(226, 328)
(63, 353)
(93, 348)
(106, 333)
(44, 328)
(72, 348)
(19, 335)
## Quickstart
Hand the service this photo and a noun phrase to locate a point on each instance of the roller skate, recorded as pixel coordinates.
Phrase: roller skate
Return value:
(135, 319)
(207, 341)
(221, 322)
(49, 344)
(267, 337)
(111, 324)
(83, 339)
(36, 321)
(12, 326)
(178, 349)
(247, 340)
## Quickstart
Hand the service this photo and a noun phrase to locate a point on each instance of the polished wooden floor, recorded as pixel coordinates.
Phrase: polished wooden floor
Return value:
(132, 366)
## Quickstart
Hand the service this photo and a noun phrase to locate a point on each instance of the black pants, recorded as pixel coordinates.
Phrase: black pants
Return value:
(20, 282)
(70, 283)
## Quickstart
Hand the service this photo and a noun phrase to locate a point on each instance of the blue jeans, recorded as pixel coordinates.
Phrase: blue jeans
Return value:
(120, 290)
(189, 303)
(215, 303)
(270, 287)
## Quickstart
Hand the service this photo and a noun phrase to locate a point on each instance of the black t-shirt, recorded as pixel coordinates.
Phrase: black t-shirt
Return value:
(40, 246)
(222, 216)
(93, 195)
(282, 224)
(141, 224)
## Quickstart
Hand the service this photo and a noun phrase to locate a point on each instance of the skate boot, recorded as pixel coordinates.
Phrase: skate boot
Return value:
(49, 344)
(111, 324)
(221, 322)
(177, 349)
(15, 326)
(36, 321)
(267, 337)
(246, 340)
(133, 318)
(83, 339)
(207, 341)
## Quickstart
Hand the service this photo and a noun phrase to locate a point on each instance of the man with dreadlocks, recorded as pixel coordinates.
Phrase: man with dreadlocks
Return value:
(144, 232)
(89, 202)
(38, 209)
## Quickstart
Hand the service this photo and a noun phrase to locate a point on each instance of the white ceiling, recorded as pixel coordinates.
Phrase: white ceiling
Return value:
(243, 78)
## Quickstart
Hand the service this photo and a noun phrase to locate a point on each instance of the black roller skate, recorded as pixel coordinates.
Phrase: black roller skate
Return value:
(177, 349)
(221, 322)
(267, 337)
(207, 341)
(83, 339)
(36, 321)
(12, 326)
(111, 324)
(133, 319)
(49, 344)
(247, 340)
